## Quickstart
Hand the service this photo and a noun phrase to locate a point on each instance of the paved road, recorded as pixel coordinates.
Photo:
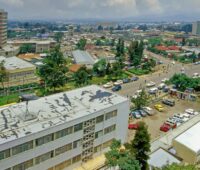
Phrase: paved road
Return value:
(129, 89)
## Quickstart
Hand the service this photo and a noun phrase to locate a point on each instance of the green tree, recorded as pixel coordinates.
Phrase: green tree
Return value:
(177, 167)
(58, 36)
(120, 52)
(100, 67)
(54, 70)
(141, 100)
(135, 51)
(183, 42)
(116, 70)
(118, 156)
(27, 48)
(2, 73)
(82, 76)
(140, 145)
(81, 44)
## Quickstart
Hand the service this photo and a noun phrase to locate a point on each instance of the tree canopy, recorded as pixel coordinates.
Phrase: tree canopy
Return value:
(54, 70)
(82, 76)
(140, 145)
(175, 166)
(118, 156)
(135, 51)
(2, 73)
(141, 100)
(81, 44)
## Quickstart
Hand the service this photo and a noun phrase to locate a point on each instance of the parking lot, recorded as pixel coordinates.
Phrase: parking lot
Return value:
(155, 121)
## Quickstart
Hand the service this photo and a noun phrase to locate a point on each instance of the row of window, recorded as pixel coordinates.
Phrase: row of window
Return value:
(48, 138)
(106, 131)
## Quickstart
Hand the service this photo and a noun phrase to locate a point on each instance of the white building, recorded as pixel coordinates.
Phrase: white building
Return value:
(187, 144)
(62, 130)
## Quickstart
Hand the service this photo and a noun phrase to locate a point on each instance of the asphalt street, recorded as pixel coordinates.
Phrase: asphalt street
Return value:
(129, 89)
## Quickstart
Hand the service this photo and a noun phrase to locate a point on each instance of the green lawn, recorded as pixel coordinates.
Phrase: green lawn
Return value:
(14, 98)
(139, 72)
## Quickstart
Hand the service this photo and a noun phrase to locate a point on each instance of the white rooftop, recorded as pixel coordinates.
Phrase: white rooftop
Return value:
(160, 158)
(83, 57)
(191, 138)
(13, 63)
(17, 121)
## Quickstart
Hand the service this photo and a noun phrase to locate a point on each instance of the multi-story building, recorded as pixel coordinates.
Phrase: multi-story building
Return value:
(3, 28)
(61, 131)
(18, 72)
(196, 28)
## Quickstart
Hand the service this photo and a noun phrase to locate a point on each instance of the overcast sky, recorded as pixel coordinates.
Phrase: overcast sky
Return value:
(102, 9)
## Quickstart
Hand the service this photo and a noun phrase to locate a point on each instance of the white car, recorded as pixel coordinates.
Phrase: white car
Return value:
(118, 82)
(196, 113)
(190, 111)
(150, 84)
(196, 74)
(148, 110)
(173, 62)
(164, 80)
(161, 86)
(186, 115)
(153, 90)
(108, 85)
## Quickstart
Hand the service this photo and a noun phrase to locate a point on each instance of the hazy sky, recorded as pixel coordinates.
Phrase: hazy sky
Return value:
(101, 9)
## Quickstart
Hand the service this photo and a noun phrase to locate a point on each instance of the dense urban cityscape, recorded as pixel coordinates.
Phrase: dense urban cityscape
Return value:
(99, 93)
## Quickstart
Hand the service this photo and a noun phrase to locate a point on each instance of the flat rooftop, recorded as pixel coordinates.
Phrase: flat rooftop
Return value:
(13, 63)
(83, 57)
(191, 138)
(19, 120)
(160, 158)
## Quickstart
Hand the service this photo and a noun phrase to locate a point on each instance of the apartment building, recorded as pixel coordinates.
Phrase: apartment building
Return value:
(19, 72)
(62, 131)
(3, 28)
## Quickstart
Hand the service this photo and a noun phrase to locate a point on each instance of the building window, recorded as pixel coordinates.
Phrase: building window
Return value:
(98, 134)
(24, 165)
(63, 165)
(63, 132)
(100, 119)
(22, 148)
(77, 143)
(4, 154)
(44, 157)
(78, 127)
(76, 159)
(109, 129)
(111, 114)
(63, 149)
(97, 149)
(107, 144)
(43, 140)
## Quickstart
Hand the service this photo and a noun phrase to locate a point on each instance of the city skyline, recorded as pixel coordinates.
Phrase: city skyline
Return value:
(144, 10)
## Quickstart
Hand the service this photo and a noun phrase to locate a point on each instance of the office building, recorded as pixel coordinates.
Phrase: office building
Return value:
(61, 131)
(3, 28)
(18, 72)
(187, 144)
(196, 28)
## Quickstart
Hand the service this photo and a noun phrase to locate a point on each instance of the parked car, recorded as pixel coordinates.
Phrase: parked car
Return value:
(165, 89)
(168, 102)
(161, 86)
(118, 82)
(117, 88)
(153, 90)
(148, 110)
(159, 107)
(142, 113)
(150, 84)
(134, 78)
(165, 127)
(190, 111)
(133, 126)
(172, 123)
(186, 115)
(126, 80)
(108, 85)
(136, 114)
